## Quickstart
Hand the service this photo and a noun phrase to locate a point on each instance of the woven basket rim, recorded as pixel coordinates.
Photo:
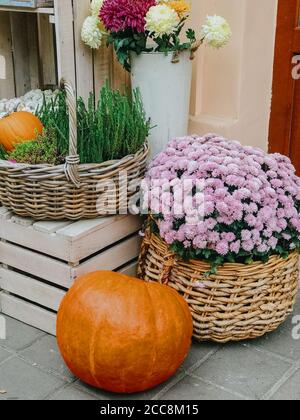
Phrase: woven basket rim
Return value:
(109, 164)
(204, 265)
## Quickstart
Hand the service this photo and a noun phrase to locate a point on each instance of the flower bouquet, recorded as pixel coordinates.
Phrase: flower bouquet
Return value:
(149, 26)
(225, 232)
(151, 40)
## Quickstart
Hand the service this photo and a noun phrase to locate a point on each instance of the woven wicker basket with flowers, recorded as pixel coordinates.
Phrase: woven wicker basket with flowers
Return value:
(224, 231)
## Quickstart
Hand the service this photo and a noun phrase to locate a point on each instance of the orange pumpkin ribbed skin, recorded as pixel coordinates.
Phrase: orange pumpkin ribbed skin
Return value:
(17, 128)
(121, 334)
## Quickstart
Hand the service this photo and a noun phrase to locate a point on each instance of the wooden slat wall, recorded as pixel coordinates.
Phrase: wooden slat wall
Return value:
(7, 84)
(48, 70)
(65, 40)
(20, 52)
(103, 68)
(33, 50)
(84, 56)
(87, 70)
(38, 62)
(120, 77)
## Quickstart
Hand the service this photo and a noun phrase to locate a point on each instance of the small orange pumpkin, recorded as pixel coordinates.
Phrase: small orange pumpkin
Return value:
(122, 334)
(17, 128)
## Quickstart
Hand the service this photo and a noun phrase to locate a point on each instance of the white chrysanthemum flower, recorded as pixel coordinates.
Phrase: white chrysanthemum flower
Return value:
(90, 33)
(96, 6)
(161, 20)
(216, 31)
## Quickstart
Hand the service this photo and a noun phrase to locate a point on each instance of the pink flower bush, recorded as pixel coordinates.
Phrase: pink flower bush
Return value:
(119, 15)
(249, 203)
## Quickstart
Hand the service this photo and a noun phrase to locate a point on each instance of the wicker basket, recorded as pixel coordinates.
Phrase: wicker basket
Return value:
(239, 302)
(71, 191)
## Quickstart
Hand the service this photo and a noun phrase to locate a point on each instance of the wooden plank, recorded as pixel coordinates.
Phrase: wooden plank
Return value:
(40, 10)
(83, 228)
(130, 269)
(47, 52)
(41, 293)
(100, 235)
(84, 54)
(36, 264)
(296, 46)
(60, 273)
(20, 52)
(50, 227)
(33, 51)
(5, 213)
(31, 4)
(75, 241)
(22, 221)
(119, 75)
(28, 313)
(35, 240)
(65, 40)
(295, 133)
(103, 67)
(7, 84)
(31, 289)
(283, 83)
(112, 258)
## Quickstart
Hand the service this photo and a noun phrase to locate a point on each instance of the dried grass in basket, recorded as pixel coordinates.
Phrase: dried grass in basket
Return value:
(239, 302)
(71, 191)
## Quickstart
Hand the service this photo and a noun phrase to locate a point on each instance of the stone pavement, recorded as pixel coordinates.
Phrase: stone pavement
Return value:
(267, 368)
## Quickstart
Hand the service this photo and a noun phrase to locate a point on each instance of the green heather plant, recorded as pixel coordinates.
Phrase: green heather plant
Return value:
(113, 128)
(42, 150)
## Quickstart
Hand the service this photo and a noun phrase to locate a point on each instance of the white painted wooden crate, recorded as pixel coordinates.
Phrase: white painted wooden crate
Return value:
(25, 3)
(39, 261)
(39, 46)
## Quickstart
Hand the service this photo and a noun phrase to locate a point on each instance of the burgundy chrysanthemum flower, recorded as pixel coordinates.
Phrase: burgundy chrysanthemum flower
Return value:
(118, 15)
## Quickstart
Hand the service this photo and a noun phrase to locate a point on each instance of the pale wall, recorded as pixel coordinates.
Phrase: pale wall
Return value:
(232, 87)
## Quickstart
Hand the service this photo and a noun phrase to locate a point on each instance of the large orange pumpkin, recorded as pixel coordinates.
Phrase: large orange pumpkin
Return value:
(122, 334)
(17, 128)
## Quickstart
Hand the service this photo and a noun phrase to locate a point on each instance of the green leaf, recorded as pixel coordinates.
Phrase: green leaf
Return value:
(191, 35)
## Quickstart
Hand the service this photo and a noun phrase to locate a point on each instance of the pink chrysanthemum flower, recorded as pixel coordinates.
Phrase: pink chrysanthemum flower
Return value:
(249, 204)
(119, 15)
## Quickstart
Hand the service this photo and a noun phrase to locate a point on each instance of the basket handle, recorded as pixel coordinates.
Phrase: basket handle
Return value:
(73, 160)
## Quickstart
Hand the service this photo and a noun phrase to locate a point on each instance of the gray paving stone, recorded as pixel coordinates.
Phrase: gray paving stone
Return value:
(198, 352)
(3, 354)
(147, 395)
(22, 381)
(280, 342)
(45, 352)
(290, 391)
(19, 335)
(297, 306)
(243, 370)
(71, 393)
(238, 369)
(191, 388)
